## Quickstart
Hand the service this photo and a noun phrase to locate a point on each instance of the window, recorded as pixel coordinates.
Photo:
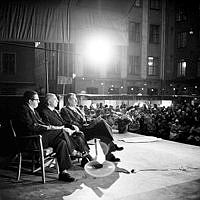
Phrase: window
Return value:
(138, 3)
(155, 4)
(181, 39)
(134, 32)
(153, 66)
(181, 70)
(134, 65)
(180, 14)
(8, 63)
(154, 34)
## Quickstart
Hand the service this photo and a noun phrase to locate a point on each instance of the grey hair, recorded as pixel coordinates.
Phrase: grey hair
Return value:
(48, 96)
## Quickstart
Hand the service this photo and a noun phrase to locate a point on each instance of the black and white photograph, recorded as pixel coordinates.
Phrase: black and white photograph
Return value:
(99, 99)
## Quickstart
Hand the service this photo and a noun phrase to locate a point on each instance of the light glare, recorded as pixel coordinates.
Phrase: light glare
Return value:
(98, 50)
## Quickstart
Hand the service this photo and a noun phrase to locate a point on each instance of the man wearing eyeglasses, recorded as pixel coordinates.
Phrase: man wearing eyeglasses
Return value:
(30, 123)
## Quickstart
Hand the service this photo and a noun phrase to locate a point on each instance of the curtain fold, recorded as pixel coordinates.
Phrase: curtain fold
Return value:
(34, 21)
(46, 21)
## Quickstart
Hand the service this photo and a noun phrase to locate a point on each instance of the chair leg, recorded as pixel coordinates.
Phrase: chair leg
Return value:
(57, 166)
(33, 162)
(42, 167)
(19, 166)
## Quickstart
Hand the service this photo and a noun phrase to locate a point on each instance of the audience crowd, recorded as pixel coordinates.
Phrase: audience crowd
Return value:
(69, 129)
(179, 122)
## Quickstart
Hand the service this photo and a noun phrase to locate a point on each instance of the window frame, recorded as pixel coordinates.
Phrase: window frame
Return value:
(8, 71)
(154, 34)
(152, 69)
(155, 4)
(182, 39)
(134, 63)
(134, 31)
(181, 14)
(181, 70)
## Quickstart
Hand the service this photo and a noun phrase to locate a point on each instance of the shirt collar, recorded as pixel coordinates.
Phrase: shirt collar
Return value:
(50, 108)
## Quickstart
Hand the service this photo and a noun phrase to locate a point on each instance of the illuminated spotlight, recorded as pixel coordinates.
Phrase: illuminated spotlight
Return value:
(98, 50)
(132, 89)
(142, 88)
(102, 84)
(121, 87)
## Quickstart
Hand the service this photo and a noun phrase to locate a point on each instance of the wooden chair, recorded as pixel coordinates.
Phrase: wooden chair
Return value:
(46, 156)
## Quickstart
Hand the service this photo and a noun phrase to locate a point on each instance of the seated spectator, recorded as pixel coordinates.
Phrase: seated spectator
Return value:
(194, 135)
(98, 128)
(174, 131)
(123, 123)
(28, 122)
(52, 117)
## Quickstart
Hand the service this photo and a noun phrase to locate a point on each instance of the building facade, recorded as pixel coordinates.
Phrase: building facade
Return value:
(185, 56)
(17, 64)
(157, 53)
(138, 66)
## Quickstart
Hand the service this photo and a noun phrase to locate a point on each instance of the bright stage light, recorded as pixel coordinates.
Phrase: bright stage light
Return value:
(98, 50)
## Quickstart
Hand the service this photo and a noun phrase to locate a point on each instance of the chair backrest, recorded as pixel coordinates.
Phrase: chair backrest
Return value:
(12, 128)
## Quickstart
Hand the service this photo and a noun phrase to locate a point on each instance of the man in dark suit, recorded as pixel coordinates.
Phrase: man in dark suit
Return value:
(52, 117)
(28, 122)
(99, 128)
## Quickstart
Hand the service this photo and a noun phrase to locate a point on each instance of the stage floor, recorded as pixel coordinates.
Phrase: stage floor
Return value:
(163, 170)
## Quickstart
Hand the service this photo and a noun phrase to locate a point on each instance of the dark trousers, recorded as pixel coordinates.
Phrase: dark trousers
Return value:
(60, 142)
(100, 130)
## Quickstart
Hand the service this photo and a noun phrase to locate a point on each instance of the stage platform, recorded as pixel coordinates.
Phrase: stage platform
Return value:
(162, 170)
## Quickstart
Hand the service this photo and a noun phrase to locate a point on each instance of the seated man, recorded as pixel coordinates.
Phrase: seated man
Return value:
(52, 117)
(28, 122)
(97, 129)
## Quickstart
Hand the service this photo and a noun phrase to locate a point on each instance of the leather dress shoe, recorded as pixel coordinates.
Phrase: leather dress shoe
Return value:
(84, 161)
(63, 176)
(114, 147)
(118, 148)
(112, 158)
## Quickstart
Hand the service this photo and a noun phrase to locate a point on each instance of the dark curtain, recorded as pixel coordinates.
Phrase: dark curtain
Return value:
(26, 20)
(47, 21)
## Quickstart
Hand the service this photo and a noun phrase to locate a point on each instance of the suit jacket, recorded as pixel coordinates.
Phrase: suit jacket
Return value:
(100, 129)
(72, 117)
(28, 122)
(53, 118)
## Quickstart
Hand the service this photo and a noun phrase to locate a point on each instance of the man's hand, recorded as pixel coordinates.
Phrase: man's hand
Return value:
(76, 128)
(70, 131)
